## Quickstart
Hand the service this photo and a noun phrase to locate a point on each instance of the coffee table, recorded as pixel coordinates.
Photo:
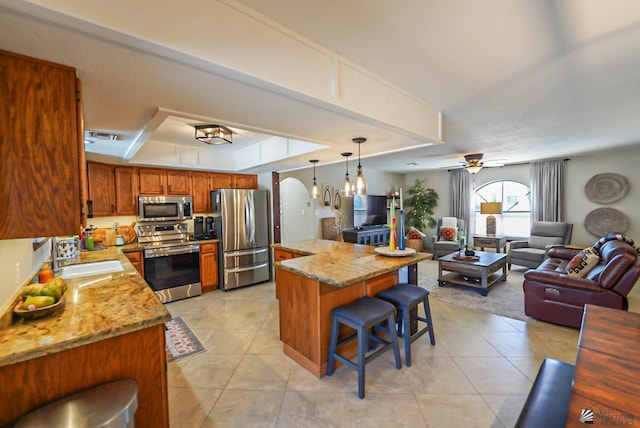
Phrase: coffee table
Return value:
(481, 273)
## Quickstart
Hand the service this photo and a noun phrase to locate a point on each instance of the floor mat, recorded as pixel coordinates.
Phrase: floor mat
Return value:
(181, 341)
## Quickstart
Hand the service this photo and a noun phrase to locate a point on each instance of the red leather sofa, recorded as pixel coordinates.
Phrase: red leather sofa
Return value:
(550, 294)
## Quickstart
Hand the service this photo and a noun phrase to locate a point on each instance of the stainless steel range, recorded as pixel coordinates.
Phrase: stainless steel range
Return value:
(171, 261)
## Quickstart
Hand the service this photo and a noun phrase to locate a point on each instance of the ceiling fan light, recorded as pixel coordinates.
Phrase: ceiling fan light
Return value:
(473, 169)
(213, 134)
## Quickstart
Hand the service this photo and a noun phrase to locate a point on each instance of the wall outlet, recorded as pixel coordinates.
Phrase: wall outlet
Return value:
(18, 277)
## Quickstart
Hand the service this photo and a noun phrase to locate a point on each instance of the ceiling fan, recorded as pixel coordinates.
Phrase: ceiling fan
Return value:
(473, 163)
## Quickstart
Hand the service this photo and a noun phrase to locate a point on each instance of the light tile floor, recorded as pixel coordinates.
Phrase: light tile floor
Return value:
(477, 375)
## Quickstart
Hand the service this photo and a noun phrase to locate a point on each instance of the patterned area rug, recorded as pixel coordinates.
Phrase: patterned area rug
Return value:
(505, 298)
(181, 341)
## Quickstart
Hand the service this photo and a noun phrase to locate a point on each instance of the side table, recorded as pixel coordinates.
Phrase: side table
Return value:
(499, 242)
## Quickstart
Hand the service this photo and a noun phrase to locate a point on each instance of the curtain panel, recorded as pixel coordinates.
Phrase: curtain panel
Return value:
(546, 190)
(461, 189)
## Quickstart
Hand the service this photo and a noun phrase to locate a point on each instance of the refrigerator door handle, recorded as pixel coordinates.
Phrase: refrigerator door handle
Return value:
(245, 252)
(245, 269)
(249, 217)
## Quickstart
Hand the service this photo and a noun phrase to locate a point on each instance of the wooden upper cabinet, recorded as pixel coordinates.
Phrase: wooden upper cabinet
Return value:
(126, 190)
(218, 180)
(200, 191)
(178, 182)
(152, 181)
(101, 189)
(245, 181)
(40, 150)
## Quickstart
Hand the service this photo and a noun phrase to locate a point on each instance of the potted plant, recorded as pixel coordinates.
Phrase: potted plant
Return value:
(420, 202)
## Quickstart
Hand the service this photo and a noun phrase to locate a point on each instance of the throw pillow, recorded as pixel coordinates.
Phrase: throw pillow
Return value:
(447, 234)
(582, 263)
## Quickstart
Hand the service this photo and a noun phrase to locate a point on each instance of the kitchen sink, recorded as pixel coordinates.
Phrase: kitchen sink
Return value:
(87, 269)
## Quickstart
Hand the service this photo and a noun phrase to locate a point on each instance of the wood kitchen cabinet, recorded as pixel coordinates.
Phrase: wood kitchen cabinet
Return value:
(178, 182)
(153, 181)
(245, 181)
(280, 255)
(220, 181)
(101, 189)
(209, 267)
(135, 257)
(200, 191)
(126, 190)
(232, 181)
(40, 145)
(112, 190)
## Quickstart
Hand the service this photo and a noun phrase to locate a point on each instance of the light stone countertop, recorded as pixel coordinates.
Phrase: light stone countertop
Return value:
(340, 263)
(97, 307)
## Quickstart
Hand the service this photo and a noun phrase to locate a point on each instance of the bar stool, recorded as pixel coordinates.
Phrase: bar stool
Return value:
(362, 315)
(406, 298)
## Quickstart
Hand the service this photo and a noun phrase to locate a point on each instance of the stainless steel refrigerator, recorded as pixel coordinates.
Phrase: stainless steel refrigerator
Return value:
(243, 230)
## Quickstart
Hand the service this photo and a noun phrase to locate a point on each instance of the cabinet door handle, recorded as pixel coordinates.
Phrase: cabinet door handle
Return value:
(113, 208)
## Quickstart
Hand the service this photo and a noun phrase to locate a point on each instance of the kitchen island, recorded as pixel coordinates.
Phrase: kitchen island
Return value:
(112, 327)
(315, 276)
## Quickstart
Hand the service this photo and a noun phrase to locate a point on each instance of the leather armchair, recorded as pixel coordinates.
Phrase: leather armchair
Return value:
(544, 234)
(442, 248)
(550, 294)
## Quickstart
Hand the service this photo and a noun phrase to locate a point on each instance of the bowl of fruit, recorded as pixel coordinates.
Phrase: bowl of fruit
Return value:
(41, 300)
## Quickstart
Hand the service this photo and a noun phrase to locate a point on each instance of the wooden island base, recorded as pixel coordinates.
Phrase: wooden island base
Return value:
(305, 315)
(315, 276)
(138, 355)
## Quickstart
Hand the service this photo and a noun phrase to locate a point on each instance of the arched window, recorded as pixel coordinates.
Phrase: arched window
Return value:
(515, 220)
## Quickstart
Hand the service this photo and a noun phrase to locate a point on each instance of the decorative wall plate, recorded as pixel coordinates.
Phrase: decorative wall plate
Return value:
(603, 221)
(606, 187)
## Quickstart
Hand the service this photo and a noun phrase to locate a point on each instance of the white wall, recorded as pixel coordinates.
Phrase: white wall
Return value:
(578, 170)
(19, 262)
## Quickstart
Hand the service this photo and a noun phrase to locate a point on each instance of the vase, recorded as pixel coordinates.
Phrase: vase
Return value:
(401, 231)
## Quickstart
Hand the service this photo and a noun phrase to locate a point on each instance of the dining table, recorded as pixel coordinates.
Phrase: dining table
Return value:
(606, 384)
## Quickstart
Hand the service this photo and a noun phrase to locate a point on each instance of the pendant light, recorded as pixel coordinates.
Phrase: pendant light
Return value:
(315, 192)
(346, 185)
(361, 182)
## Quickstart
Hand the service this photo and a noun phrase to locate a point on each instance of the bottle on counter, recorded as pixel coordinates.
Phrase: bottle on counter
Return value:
(45, 274)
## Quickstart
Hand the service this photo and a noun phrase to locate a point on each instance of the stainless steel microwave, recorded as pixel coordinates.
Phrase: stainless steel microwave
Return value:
(164, 208)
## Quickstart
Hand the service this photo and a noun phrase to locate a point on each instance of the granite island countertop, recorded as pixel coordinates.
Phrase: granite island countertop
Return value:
(97, 307)
(340, 263)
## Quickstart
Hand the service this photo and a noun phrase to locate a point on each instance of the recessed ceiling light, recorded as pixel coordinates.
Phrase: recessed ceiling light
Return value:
(102, 135)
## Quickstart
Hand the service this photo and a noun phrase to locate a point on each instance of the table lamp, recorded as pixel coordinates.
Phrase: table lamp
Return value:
(491, 208)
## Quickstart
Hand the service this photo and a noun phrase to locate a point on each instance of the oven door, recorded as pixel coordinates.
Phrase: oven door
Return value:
(173, 272)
